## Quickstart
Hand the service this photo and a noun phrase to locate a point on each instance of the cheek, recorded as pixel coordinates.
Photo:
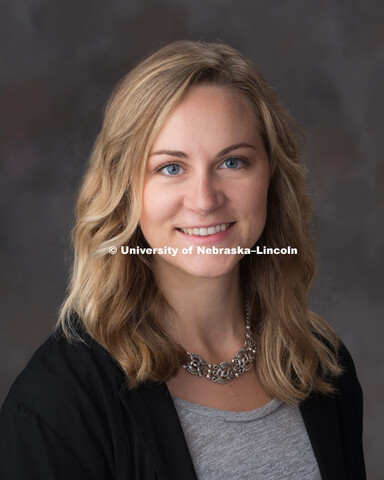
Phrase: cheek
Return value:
(252, 199)
(260, 208)
(158, 206)
(254, 207)
(260, 202)
(149, 209)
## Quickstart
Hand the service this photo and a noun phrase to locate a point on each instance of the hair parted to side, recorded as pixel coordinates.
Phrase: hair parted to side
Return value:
(116, 297)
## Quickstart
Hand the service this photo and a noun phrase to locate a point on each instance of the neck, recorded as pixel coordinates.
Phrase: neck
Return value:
(209, 312)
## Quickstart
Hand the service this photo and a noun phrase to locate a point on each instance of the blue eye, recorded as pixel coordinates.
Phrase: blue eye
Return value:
(171, 169)
(232, 163)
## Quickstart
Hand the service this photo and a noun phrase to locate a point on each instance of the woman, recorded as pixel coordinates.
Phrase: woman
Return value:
(194, 172)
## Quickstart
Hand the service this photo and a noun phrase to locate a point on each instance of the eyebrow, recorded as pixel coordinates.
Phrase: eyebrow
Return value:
(179, 154)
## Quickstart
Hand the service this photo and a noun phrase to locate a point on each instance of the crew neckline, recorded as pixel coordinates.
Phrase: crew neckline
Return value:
(227, 415)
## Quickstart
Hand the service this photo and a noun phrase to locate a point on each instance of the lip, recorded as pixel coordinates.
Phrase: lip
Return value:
(208, 239)
(206, 226)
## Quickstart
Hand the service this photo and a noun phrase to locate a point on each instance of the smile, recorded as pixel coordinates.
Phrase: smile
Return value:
(204, 231)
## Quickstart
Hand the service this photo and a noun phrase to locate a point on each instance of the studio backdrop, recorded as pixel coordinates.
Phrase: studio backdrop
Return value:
(59, 62)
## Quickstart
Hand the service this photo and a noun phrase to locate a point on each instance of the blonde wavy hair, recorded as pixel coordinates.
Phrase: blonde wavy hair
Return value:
(116, 298)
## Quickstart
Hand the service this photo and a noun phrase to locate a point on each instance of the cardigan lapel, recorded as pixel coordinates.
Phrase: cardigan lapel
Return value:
(322, 422)
(152, 409)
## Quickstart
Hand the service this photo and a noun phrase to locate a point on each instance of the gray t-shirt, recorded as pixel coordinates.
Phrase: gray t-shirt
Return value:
(269, 443)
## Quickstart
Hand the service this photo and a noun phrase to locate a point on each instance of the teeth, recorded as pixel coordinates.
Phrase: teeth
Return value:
(203, 232)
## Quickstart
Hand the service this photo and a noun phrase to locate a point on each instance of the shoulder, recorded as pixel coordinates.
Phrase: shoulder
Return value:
(348, 379)
(344, 406)
(59, 364)
(66, 382)
(334, 423)
(347, 395)
(64, 406)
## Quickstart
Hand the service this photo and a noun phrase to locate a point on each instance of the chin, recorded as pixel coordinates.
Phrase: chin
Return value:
(210, 269)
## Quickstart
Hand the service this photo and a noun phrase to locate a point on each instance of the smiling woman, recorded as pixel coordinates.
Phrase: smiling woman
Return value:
(196, 156)
(214, 191)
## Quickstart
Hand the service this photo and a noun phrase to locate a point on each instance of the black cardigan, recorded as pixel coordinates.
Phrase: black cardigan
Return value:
(70, 416)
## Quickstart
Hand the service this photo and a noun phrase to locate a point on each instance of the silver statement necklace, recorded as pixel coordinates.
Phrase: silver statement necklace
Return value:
(225, 371)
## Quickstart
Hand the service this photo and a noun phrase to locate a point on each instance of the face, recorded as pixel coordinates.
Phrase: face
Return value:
(206, 183)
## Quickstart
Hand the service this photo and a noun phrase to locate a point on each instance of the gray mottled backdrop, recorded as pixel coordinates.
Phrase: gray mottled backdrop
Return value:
(59, 61)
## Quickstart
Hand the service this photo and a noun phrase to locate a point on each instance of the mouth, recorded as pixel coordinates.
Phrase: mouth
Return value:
(206, 231)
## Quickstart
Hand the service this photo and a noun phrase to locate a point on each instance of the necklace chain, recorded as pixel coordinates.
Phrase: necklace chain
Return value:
(225, 371)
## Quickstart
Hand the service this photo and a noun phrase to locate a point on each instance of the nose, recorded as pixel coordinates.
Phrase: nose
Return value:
(204, 193)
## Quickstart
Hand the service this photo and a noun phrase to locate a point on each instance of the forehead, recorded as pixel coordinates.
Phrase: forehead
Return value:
(208, 115)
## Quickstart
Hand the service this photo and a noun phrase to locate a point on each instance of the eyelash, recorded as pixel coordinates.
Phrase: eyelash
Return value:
(159, 169)
(165, 165)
